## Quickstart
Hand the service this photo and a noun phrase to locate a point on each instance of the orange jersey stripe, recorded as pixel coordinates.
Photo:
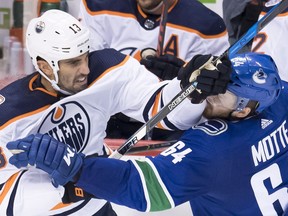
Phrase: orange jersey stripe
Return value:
(7, 186)
(155, 109)
(108, 12)
(197, 32)
(111, 68)
(23, 116)
(40, 89)
(279, 15)
(59, 206)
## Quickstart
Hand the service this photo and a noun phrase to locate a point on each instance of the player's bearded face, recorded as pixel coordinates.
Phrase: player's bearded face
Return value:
(220, 106)
(73, 74)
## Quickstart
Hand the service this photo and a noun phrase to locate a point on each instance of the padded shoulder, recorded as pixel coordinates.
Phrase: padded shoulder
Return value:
(194, 15)
(121, 6)
(22, 97)
(102, 60)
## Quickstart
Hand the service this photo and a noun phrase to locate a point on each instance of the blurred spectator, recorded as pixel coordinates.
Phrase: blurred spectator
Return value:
(239, 16)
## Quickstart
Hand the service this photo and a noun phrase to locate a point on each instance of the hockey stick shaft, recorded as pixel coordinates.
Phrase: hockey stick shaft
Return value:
(152, 146)
(162, 28)
(233, 49)
(140, 133)
(257, 27)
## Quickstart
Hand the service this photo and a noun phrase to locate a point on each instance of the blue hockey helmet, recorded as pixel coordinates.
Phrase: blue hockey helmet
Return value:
(254, 77)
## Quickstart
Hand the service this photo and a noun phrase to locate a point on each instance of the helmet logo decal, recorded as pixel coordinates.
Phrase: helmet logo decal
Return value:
(69, 123)
(260, 76)
(257, 79)
(40, 26)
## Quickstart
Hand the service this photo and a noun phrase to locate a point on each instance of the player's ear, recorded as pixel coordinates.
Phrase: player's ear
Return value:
(243, 113)
(45, 68)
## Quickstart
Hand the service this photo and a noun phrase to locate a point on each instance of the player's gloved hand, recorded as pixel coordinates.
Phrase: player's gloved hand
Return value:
(211, 80)
(57, 159)
(166, 66)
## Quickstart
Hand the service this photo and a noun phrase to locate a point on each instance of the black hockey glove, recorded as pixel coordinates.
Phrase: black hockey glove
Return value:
(211, 80)
(166, 66)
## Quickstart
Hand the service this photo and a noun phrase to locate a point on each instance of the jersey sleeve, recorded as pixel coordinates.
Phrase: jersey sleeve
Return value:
(141, 95)
(154, 184)
(128, 87)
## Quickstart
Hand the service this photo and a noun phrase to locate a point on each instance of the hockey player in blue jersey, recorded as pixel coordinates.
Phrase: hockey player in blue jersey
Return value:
(235, 163)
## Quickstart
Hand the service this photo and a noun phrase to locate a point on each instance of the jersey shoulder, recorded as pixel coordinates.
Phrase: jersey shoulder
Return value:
(122, 6)
(103, 60)
(23, 96)
(193, 14)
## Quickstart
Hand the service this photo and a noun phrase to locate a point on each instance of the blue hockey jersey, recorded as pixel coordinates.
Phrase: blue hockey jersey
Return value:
(221, 167)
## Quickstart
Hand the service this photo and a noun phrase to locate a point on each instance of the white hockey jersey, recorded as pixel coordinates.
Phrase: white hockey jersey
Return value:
(118, 83)
(121, 24)
(271, 40)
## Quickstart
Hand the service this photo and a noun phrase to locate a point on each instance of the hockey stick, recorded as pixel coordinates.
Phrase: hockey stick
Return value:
(233, 49)
(152, 146)
(251, 33)
(136, 149)
(162, 28)
(160, 44)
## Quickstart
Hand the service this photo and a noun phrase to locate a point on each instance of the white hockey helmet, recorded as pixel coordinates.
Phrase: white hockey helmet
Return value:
(55, 36)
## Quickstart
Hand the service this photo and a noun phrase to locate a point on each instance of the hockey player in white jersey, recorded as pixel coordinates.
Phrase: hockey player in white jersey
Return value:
(271, 40)
(131, 26)
(59, 46)
(233, 164)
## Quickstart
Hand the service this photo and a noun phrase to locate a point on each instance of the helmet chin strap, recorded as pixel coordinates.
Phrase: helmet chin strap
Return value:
(55, 86)
(54, 83)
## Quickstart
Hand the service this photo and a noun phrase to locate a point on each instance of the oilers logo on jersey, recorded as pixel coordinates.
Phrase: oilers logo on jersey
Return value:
(68, 122)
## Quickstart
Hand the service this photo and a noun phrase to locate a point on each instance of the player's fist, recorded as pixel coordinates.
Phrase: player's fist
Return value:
(166, 66)
(59, 160)
(211, 79)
